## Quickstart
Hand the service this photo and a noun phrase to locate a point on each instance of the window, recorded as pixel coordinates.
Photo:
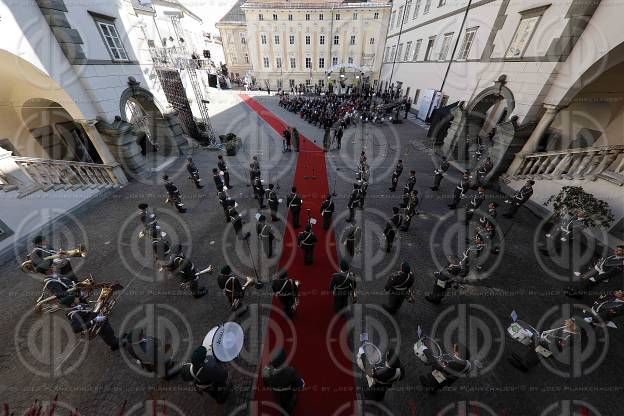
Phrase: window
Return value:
(280, 84)
(290, 17)
(337, 16)
(321, 16)
(393, 54)
(400, 17)
(291, 39)
(442, 3)
(371, 41)
(260, 17)
(408, 9)
(354, 16)
(308, 62)
(274, 17)
(466, 45)
(336, 39)
(430, 46)
(277, 40)
(246, 58)
(293, 63)
(446, 45)
(307, 16)
(243, 40)
(308, 82)
(408, 49)
(321, 82)
(399, 50)
(416, 8)
(307, 39)
(387, 54)
(263, 39)
(392, 19)
(417, 49)
(335, 60)
(291, 82)
(523, 36)
(416, 97)
(427, 6)
(352, 40)
(376, 15)
(321, 62)
(278, 63)
(350, 60)
(112, 40)
(322, 39)
(265, 61)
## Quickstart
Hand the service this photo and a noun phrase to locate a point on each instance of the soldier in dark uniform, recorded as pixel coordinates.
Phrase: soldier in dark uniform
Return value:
(185, 270)
(236, 220)
(218, 180)
(339, 135)
(233, 287)
(149, 352)
(259, 192)
(439, 173)
(601, 271)
(58, 286)
(226, 202)
(306, 241)
(444, 279)
(399, 167)
(351, 239)
(294, 203)
(474, 203)
(223, 168)
(353, 202)
(327, 210)
(411, 181)
(283, 380)
(255, 164)
(518, 199)
(482, 171)
(253, 174)
(460, 190)
(406, 197)
(410, 211)
(194, 172)
(398, 287)
(383, 376)
(265, 236)
(286, 134)
(82, 318)
(471, 254)
(161, 246)
(38, 255)
(342, 285)
(395, 181)
(147, 218)
(273, 202)
(392, 227)
(174, 194)
(207, 375)
(446, 368)
(295, 138)
(287, 291)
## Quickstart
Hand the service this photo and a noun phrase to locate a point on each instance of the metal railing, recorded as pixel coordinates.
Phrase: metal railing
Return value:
(604, 162)
(66, 174)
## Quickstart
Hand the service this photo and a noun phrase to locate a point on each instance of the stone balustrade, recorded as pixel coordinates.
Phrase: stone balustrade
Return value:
(592, 163)
(62, 174)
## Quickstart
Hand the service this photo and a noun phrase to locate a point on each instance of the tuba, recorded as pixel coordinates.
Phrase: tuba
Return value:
(104, 305)
(80, 251)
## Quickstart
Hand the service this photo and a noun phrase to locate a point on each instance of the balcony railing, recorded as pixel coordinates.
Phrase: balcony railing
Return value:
(177, 58)
(62, 174)
(592, 163)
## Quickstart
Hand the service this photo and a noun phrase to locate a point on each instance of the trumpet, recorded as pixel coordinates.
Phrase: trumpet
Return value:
(80, 251)
(186, 285)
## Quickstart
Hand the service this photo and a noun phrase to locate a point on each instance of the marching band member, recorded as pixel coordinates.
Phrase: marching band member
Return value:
(218, 180)
(608, 306)
(147, 218)
(207, 375)
(306, 241)
(474, 203)
(460, 190)
(343, 285)
(439, 173)
(185, 270)
(411, 181)
(236, 220)
(273, 202)
(82, 318)
(287, 291)
(226, 202)
(518, 199)
(392, 227)
(399, 287)
(446, 368)
(194, 172)
(482, 171)
(383, 376)
(395, 180)
(327, 210)
(410, 211)
(603, 269)
(149, 352)
(174, 195)
(444, 279)
(38, 255)
(233, 287)
(353, 201)
(294, 203)
(283, 380)
(265, 236)
(223, 168)
(471, 253)
(259, 191)
(351, 238)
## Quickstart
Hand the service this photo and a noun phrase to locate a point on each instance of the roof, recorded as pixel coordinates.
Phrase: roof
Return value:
(303, 4)
(235, 14)
(145, 7)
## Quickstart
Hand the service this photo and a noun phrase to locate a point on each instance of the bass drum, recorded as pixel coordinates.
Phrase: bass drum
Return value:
(427, 343)
(225, 342)
(373, 355)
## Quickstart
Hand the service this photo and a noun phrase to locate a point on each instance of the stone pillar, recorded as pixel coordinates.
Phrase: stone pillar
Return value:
(103, 150)
(455, 132)
(531, 144)
(177, 131)
(121, 139)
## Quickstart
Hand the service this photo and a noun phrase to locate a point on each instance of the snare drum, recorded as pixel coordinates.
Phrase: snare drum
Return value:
(225, 342)
(427, 343)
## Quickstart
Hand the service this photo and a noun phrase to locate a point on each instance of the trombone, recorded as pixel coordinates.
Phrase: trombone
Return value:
(80, 251)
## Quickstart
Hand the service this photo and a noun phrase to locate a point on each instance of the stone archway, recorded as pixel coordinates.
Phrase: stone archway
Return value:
(475, 123)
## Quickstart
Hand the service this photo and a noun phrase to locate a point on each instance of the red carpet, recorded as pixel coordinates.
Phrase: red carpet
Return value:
(328, 388)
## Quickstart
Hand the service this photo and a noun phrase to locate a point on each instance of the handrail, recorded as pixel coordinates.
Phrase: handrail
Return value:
(59, 162)
(575, 150)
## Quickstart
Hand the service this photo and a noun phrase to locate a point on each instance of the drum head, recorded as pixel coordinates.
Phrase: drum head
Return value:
(433, 346)
(225, 342)
(372, 353)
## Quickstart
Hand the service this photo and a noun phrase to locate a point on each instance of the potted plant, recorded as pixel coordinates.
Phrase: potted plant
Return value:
(572, 199)
(231, 142)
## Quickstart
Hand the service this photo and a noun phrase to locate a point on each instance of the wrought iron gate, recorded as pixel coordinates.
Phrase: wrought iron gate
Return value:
(176, 95)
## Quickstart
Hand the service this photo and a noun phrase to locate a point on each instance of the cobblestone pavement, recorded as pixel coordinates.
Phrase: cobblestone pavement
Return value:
(97, 381)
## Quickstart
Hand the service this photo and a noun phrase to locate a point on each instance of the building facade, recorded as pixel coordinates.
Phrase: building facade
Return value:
(234, 38)
(313, 43)
(535, 82)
